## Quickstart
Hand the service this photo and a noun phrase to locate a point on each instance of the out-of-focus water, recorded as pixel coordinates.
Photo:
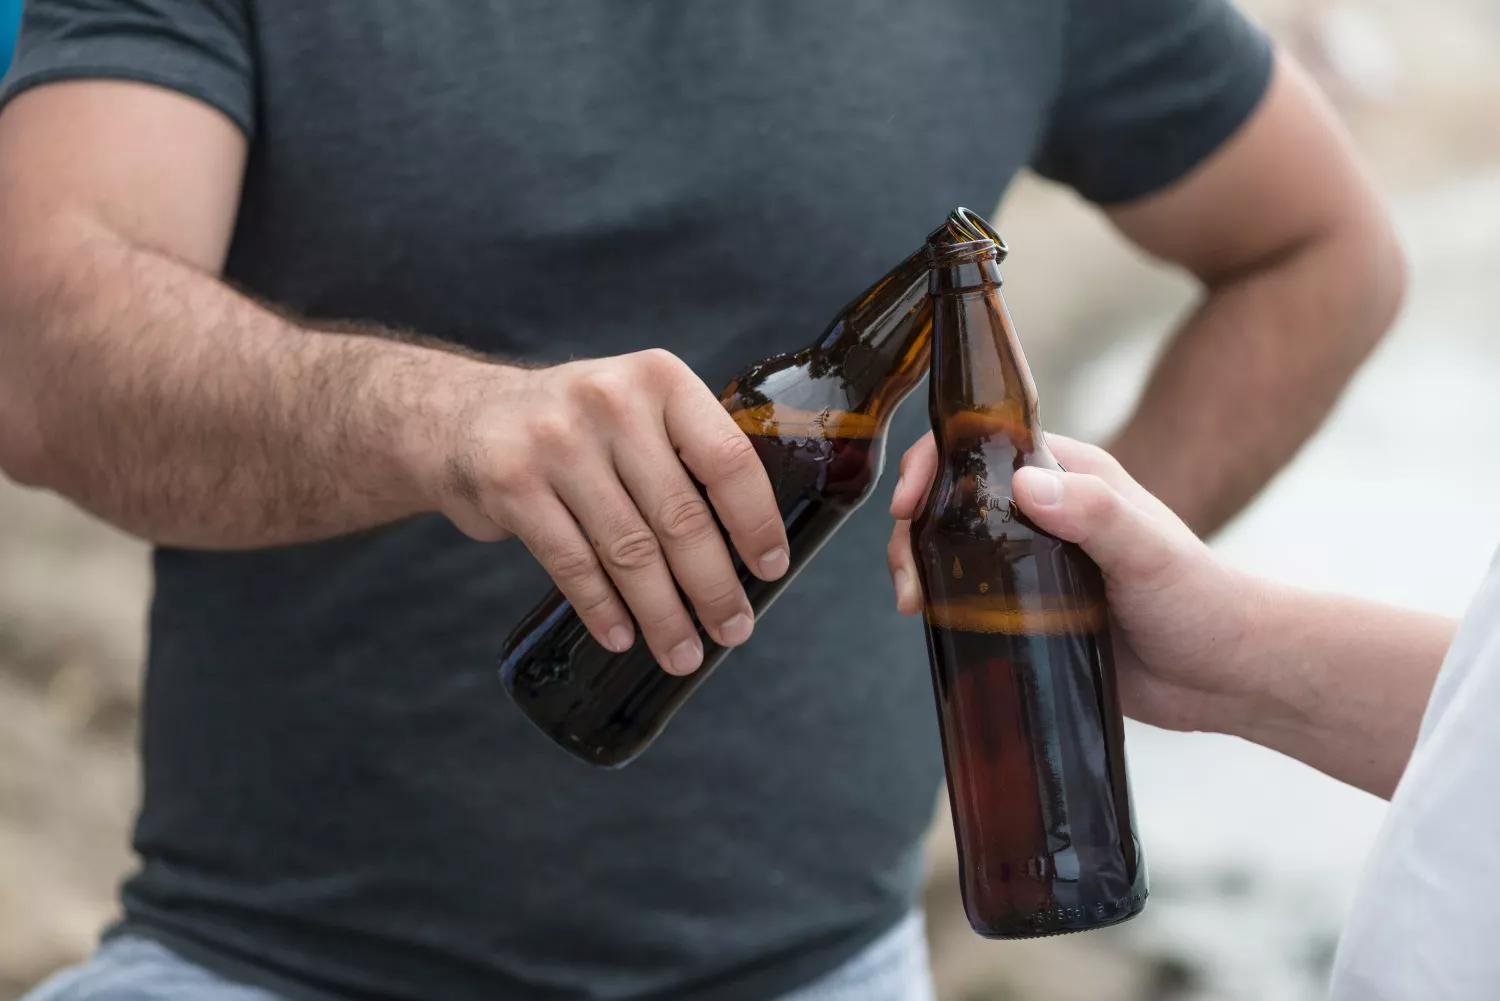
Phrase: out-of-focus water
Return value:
(1254, 856)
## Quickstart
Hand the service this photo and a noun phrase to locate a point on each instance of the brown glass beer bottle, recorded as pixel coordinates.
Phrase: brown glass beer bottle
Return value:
(818, 420)
(1018, 636)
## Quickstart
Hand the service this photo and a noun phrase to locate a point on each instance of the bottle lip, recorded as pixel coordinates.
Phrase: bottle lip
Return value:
(958, 253)
(975, 222)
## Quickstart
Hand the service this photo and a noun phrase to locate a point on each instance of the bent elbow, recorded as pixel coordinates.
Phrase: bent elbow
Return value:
(1390, 273)
(22, 457)
(23, 452)
(1370, 267)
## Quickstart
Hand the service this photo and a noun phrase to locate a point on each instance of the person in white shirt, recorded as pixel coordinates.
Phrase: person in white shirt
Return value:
(1399, 703)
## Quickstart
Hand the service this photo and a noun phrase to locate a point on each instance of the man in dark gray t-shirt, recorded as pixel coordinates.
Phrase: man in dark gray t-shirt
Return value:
(219, 215)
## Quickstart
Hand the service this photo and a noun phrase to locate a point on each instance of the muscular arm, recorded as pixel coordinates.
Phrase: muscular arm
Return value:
(136, 383)
(1303, 274)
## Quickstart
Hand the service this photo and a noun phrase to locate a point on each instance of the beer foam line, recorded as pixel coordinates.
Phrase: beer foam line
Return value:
(1004, 421)
(1013, 621)
(772, 421)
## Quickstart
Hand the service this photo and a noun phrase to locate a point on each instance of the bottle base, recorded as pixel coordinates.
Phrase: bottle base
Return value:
(1051, 924)
(607, 757)
(610, 759)
(590, 752)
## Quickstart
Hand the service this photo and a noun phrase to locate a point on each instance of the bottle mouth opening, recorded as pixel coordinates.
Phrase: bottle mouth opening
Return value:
(959, 253)
(965, 226)
(976, 226)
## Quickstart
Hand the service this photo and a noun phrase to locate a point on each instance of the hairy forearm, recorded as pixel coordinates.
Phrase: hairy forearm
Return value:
(1255, 369)
(1341, 683)
(166, 403)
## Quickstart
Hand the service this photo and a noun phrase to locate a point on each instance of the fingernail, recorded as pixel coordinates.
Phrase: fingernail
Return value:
(901, 581)
(620, 639)
(737, 629)
(1045, 486)
(774, 563)
(685, 657)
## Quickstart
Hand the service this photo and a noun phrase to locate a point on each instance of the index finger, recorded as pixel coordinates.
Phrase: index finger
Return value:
(721, 457)
(918, 466)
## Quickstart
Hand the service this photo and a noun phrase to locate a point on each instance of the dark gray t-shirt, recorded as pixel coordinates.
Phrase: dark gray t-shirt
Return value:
(339, 797)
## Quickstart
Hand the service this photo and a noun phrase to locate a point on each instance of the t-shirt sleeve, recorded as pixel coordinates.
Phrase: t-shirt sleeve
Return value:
(201, 48)
(1422, 921)
(1149, 88)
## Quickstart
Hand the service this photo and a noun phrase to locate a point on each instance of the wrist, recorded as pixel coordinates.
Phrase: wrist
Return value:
(435, 401)
(1272, 696)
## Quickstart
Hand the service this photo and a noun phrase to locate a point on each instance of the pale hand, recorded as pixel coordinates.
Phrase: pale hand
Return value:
(1180, 615)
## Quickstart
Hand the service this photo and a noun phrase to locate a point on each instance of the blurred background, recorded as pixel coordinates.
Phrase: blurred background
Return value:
(1252, 856)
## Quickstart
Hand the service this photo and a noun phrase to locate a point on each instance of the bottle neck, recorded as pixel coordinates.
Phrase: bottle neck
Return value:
(879, 347)
(981, 386)
(881, 344)
(873, 355)
(965, 274)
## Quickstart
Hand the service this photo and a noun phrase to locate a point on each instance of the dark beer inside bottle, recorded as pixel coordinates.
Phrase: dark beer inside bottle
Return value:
(1019, 641)
(1032, 736)
(607, 706)
(817, 419)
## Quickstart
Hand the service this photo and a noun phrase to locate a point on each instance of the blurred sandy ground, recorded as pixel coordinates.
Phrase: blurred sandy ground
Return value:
(1252, 856)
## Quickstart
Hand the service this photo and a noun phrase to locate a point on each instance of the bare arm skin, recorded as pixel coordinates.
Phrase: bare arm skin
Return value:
(1337, 683)
(138, 384)
(1345, 682)
(1303, 275)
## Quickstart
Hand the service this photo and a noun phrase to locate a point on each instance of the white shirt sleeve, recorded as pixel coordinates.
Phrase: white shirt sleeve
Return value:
(1427, 911)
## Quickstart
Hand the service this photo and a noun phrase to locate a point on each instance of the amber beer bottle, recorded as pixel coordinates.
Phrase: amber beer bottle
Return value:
(818, 420)
(1018, 636)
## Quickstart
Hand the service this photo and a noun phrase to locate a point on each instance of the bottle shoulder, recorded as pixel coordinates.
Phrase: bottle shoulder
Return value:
(973, 501)
(969, 522)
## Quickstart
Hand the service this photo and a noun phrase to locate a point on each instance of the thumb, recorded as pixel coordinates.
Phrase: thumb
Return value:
(1127, 543)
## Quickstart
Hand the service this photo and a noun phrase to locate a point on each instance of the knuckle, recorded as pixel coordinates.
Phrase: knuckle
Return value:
(595, 603)
(1163, 565)
(907, 459)
(1098, 458)
(569, 563)
(919, 451)
(660, 362)
(896, 550)
(603, 392)
(733, 455)
(553, 432)
(666, 624)
(722, 594)
(685, 517)
(769, 527)
(631, 551)
(1101, 505)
